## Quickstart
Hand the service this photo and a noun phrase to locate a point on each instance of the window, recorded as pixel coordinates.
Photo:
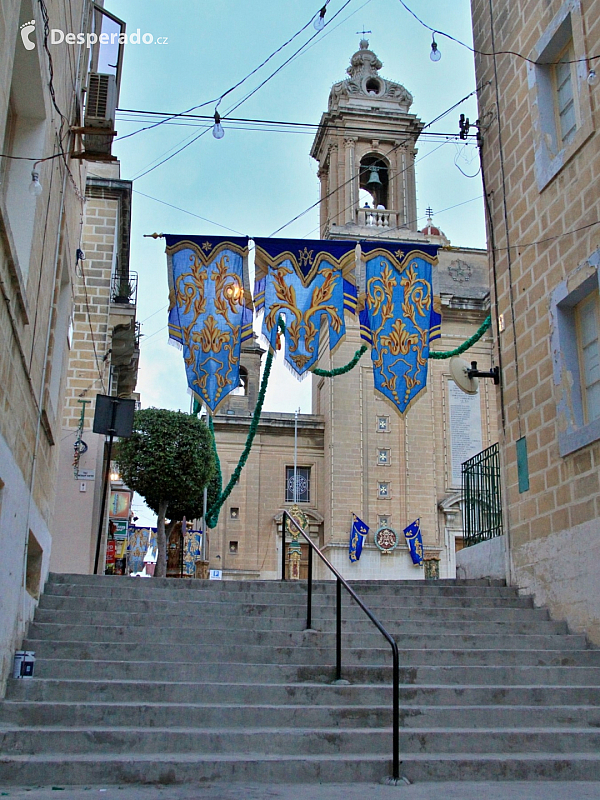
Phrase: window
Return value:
(242, 387)
(383, 490)
(302, 485)
(383, 457)
(564, 79)
(25, 134)
(587, 319)
(233, 548)
(383, 521)
(560, 98)
(234, 513)
(575, 325)
(383, 424)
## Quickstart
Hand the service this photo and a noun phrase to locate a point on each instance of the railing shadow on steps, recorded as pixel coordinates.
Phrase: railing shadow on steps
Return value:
(340, 581)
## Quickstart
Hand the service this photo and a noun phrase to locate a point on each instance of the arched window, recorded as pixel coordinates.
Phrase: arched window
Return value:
(374, 180)
(242, 389)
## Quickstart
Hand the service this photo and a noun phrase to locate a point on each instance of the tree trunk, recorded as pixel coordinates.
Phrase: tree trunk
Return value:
(161, 541)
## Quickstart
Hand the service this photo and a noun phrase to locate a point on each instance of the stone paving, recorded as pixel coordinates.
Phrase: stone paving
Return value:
(488, 790)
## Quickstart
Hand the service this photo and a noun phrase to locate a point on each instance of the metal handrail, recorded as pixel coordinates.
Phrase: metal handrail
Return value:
(392, 642)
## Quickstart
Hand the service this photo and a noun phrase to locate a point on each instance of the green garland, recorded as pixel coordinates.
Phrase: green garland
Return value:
(465, 345)
(212, 516)
(332, 373)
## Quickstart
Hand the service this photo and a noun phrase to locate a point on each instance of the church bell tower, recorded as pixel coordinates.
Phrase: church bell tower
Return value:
(367, 141)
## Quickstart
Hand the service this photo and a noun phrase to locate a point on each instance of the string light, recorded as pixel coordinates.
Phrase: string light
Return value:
(319, 22)
(217, 130)
(435, 54)
(35, 187)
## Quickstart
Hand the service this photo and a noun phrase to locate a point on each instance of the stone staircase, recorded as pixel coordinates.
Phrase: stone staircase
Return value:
(167, 681)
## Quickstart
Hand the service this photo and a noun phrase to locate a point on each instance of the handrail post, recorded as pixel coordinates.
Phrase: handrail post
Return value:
(395, 714)
(309, 592)
(338, 627)
(283, 527)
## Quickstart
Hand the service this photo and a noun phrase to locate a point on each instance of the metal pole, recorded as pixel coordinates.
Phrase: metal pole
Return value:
(103, 504)
(338, 628)
(296, 455)
(283, 523)
(203, 548)
(309, 593)
(111, 431)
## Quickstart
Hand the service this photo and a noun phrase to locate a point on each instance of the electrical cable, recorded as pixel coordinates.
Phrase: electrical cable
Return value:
(237, 105)
(191, 213)
(393, 149)
(494, 52)
(217, 100)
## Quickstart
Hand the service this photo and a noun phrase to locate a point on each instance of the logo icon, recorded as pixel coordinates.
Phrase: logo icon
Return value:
(27, 28)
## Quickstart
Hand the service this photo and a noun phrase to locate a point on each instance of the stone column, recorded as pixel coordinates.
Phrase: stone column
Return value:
(349, 197)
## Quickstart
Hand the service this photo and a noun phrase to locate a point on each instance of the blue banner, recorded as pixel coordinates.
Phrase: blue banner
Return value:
(302, 281)
(397, 318)
(358, 534)
(415, 542)
(210, 311)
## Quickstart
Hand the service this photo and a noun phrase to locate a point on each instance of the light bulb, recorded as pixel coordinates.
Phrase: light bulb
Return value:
(592, 77)
(435, 54)
(218, 131)
(319, 22)
(35, 187)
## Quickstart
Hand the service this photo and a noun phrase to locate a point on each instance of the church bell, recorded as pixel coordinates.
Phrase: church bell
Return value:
(374, 177)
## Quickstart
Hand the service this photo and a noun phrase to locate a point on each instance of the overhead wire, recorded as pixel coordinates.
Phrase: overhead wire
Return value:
(493, 52)
(237, 105)
(218, 99)
(392, 150)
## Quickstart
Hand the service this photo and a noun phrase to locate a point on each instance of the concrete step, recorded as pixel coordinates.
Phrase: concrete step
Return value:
(271, 740)
(306, 650)
(197, 714)
(397, 627)
(351, 768)
(277, 673)
(363, 634)
(136, 691)
(389, 610)
(178, 606)
(452, 586)
(130, 589)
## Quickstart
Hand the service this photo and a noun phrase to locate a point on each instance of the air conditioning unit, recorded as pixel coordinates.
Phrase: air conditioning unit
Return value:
(100, 110)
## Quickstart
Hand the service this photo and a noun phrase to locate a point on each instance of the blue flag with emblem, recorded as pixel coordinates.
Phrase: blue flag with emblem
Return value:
(210, 311)
(415, 542)
(303, 281)
(398, 317)
(358, 534)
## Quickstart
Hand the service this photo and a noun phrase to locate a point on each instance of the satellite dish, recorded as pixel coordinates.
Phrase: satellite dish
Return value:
(459, 369)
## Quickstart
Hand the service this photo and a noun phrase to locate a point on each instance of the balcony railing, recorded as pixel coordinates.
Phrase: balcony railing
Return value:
(376, 218)
(123, 288)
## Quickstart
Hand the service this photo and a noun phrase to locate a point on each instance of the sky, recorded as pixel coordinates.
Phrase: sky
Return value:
(254, 181)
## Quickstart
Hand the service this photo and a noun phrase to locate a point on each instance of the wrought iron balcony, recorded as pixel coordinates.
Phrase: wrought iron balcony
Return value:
(123, 288)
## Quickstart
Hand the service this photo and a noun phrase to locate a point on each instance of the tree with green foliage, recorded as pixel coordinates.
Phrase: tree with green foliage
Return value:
(168, 460)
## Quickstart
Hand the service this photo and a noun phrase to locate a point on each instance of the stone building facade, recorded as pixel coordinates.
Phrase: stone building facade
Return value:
(541, 160)
(39, 234)
(103, 359)
(355, 452)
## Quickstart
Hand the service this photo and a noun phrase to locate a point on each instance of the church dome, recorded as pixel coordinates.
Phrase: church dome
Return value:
(430, 229)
